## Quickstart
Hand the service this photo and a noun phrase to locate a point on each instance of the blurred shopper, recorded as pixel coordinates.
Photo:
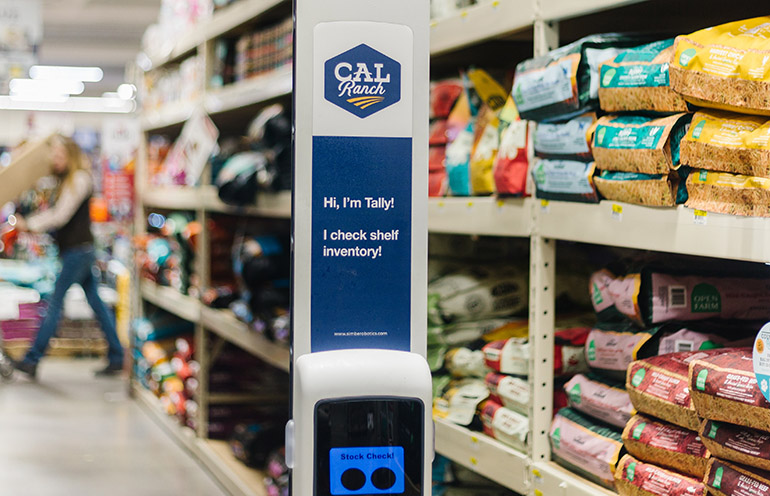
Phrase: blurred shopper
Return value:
(70, 224)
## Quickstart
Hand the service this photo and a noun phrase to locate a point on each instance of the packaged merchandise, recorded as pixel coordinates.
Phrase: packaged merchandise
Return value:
(483, 159)
(635, 478)
(512, 162)
(437, 176)
(565, 82)
(585, 447)
(565, 180)
(725, 193)
(728, 142)
(651, 296)
(508, 427)
(725, 66)
(659, 386)
(458, 159)
(652, 190)
(600, 399)
(666, 445)
(634, 143)
(611, 347)
(637, 80)
(478, 292)
(462, 362)
(512, 392)
(511, 356)
(727, 479)
(461, 401)
(443, 96)
(730, 442)
(724, 388)
(569, 140)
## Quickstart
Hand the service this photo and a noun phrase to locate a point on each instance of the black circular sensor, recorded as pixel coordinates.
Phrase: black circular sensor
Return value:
(353, 479)
(383, 478)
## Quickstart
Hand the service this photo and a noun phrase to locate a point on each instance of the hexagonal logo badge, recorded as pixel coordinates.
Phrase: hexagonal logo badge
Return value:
(362, 81)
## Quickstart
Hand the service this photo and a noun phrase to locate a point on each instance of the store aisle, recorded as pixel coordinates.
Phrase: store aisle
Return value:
(71, 433)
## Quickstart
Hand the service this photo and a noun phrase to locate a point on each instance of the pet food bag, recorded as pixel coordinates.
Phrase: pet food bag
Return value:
(725, 193)
(637, 80)
(725, 67)
(635, 478)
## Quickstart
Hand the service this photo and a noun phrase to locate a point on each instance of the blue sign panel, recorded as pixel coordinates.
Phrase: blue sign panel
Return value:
(376, 470)
(361, 243)
(362, 81)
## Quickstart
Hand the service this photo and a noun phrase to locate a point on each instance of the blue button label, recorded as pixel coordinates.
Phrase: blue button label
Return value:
(375, 470)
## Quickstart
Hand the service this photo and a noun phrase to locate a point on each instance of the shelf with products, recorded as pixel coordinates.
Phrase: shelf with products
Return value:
(550, 479)
(171, 300)
(482, 454)
(480, 22)
(480, 216)
(276, 205)
(236, 15)
(249, 92)
(215, 455)
(673, 230)
(167, 116)
(225, 325)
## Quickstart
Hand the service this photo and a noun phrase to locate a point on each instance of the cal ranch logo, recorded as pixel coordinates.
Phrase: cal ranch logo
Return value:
(362, 81)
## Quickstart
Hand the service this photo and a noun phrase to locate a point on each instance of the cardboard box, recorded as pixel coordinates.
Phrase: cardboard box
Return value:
(30, 163)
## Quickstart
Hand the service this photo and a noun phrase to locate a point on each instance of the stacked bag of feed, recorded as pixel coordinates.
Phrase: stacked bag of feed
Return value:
(478, 142)
(685, 120)
(559, 90)
(724, 69)
(652, 323)
(736, 423)
(637, 152)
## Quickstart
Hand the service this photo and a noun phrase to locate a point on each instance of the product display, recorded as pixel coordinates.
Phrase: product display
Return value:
(601, 399)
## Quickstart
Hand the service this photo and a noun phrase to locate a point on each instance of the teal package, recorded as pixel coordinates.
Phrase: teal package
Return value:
(643, 73)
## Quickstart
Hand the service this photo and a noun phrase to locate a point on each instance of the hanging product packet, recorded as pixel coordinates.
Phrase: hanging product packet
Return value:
(508, 427)
(460, 133)
(565, 180)
(487, 142)
(725, 67)
(569, 140)
(512, 161)
(728, 142)
(634, 143)
(725, 193)
(637, 80)
(565, 82)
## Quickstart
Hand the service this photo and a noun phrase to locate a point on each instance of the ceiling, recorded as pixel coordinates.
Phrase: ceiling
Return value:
(103, 33)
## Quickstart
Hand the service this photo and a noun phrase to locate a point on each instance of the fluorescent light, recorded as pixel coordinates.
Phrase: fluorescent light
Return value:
(61, 87)
(38, 97)
(56, 72)
(72, 104)
(126, 91)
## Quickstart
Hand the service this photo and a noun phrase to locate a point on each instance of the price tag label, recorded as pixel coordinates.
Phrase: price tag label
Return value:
(617, 212)
(545, 206)
(699, 217)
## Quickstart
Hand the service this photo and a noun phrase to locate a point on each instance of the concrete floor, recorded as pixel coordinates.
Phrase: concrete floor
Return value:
(72, 434)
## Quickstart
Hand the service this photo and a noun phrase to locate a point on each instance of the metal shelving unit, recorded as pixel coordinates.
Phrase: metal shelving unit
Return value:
(484, 455)
(481, 216)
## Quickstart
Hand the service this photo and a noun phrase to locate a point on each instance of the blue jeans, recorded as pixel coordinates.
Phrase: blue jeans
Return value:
(77, 264)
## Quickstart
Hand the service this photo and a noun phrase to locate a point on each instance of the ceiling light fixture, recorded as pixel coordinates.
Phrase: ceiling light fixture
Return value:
(71, 104)
(50, 87)
(56, 72)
